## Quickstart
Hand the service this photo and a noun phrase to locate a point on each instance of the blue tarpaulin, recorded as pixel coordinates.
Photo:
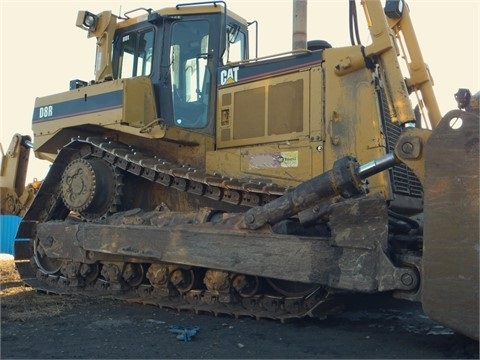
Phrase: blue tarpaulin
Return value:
(8, 227)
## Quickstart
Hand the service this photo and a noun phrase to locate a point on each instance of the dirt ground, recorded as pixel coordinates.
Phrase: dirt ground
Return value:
(40, 326)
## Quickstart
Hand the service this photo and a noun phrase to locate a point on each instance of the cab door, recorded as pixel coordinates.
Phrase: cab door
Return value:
(190, 52)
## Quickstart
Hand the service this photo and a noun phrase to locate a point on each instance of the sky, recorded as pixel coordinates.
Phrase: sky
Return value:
(42, 50)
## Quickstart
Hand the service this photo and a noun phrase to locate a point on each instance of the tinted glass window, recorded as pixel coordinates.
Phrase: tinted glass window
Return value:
(135, 55)
(190, 76)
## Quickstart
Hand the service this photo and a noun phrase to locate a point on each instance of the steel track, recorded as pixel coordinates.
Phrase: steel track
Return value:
(48, 206)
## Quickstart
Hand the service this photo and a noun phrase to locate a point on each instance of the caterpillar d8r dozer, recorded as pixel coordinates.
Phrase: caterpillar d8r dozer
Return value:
(190, 176)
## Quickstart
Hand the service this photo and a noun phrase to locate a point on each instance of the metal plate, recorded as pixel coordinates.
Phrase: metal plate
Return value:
(451, 236)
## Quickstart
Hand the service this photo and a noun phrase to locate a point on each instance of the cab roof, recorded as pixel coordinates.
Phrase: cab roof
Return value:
(179, 10)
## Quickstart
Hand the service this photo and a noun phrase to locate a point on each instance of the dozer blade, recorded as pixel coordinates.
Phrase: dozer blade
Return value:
(451, 235)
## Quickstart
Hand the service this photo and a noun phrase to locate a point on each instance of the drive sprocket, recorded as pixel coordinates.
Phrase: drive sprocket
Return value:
(90, 188)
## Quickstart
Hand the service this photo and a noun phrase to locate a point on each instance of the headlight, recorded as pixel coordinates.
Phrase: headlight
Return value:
(394, 8)
(90, 21)
(87, 20)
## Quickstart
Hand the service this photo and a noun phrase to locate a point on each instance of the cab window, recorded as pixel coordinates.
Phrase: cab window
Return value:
(235, 45)
(135, 54)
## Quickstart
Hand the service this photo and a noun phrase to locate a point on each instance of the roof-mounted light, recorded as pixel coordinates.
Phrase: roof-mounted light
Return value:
(394, 8)
(86, 20)
(90, 20)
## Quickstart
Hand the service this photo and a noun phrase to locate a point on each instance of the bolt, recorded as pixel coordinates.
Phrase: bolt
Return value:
(249, 218)
(407, 147)
(407, 279)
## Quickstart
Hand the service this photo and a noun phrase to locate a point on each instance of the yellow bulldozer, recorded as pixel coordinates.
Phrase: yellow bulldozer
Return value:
(192, 175)
(15, 195)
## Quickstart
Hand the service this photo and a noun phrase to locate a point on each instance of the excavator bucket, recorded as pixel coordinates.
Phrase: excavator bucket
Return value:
(451, 235)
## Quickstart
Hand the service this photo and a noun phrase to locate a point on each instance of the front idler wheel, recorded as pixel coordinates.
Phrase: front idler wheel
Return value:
(47, 265)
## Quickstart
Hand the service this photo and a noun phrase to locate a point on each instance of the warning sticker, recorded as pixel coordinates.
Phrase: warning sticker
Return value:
(285, 159)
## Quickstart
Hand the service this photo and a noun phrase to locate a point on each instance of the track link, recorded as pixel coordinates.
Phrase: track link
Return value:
(318, 303)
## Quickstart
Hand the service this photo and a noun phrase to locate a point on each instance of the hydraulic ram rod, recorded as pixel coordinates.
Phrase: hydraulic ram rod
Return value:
(345, 179)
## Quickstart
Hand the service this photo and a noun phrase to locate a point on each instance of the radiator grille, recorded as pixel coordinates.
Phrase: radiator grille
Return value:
(404, 181)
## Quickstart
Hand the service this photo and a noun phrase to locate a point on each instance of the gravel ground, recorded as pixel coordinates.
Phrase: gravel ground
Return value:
(40, 326)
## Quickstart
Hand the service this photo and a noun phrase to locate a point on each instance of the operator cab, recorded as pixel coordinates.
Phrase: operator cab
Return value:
(180, 50)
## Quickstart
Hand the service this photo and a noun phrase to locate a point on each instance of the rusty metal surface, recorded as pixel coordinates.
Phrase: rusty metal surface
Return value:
(205, 245)
(78, 249)
(451, 235)
(342, 262)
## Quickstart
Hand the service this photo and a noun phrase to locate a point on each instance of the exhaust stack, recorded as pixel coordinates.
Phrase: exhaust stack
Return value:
(299, 25)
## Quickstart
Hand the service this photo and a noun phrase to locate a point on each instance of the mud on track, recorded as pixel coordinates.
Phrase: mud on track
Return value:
(39, 326)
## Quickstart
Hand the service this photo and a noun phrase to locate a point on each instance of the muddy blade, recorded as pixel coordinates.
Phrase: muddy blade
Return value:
(451, 236)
